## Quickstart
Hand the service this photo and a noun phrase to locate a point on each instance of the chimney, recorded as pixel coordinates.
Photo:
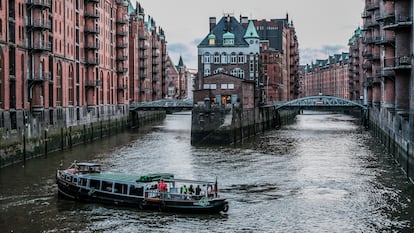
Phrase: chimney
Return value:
(212, 23)
(244, 20)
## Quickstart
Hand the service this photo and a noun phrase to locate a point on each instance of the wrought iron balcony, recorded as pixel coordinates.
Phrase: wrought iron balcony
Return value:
(122, 70)
(121, 33)
(92, 45)
(39, 77)
(41, 46)
(93, 15)
(39, 23)
(39, 3)
(122, 45)
(122, 21)
(92, 30)
(382, 40)
(122, 87)
(121, 58)
(397, 63)
(400, 21)
(91, 83)
(92, 61)
(372, 6)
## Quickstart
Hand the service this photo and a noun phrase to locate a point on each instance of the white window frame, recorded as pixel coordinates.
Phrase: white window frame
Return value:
(224, 58)
(216, 58)
(241, 59)
(206, 58)
(233, 58)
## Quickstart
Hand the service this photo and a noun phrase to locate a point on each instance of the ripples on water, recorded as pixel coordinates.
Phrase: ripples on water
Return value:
(322, 174)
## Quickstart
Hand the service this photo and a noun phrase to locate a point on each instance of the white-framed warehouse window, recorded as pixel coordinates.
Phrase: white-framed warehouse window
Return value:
(227, 86)
(207, 72)
(242, 58)
(219, 70)
(216, 58)
(224, 58)
(206, 58)
(233, 58)
(209, 86)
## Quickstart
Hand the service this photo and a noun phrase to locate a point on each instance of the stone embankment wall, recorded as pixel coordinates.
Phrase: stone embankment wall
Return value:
(396, 134)
(223, 125)
(55, 139)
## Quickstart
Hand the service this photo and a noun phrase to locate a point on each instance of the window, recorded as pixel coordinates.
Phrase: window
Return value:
(107, 186)
(94, 184)
(207, 72)
(208, 86)
(136, 191)
(242, 59)
(216, 58)
(207, 58)
(219, 70)
(224, 58)
(228, 42)
(238, 73)
(233, 58)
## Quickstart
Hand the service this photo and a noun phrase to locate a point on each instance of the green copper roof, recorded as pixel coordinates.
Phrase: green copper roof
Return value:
(228, 35)
(251, 31)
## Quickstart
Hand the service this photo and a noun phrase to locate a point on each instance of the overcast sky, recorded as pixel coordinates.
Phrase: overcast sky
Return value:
(323, 27)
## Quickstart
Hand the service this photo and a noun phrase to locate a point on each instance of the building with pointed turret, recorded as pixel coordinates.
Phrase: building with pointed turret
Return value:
(228, 64)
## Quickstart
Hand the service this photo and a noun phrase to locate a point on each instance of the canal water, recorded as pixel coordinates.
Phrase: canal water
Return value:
(323, 173)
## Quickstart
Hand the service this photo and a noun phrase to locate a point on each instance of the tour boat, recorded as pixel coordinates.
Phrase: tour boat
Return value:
(84, 181)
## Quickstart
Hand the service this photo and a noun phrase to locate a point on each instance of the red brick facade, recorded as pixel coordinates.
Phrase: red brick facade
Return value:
(66, 63)
(327, 77)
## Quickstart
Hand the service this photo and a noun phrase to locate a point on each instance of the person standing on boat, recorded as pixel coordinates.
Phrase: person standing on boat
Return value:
(162, 186)
(198, 190)
(191, 189)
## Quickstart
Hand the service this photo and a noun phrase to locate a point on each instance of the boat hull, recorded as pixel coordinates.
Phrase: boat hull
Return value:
(74, 192)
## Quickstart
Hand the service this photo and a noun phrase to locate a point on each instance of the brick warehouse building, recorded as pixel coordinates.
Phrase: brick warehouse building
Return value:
(327, 76)
(279, 59)
(66, 63)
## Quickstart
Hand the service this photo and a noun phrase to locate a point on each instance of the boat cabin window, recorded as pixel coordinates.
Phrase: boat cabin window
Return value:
(68, 178)
(75, 180)
(136, 191)
(121, 188)
(107, 186)
(82, 181)
(94, 184)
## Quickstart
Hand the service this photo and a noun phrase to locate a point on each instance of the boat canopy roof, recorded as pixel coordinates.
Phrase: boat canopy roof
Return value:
(87, 164)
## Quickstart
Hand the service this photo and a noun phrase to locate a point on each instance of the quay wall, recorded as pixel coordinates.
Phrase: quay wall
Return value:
(228, 125)
(57, 139)
(395, 132)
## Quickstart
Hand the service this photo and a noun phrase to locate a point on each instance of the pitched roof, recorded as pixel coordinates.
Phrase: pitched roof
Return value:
(226, 24)
(251, 31)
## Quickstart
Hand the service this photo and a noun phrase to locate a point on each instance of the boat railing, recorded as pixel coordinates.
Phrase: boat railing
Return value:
(175, 196)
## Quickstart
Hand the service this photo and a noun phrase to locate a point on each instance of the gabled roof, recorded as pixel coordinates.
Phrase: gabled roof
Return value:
(226, 24)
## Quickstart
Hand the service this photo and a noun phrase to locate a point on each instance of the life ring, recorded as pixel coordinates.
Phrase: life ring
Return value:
(91, 191)
(226, 208)
(203, 202)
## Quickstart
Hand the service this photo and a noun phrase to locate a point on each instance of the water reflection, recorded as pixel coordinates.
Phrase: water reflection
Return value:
(322, 174)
